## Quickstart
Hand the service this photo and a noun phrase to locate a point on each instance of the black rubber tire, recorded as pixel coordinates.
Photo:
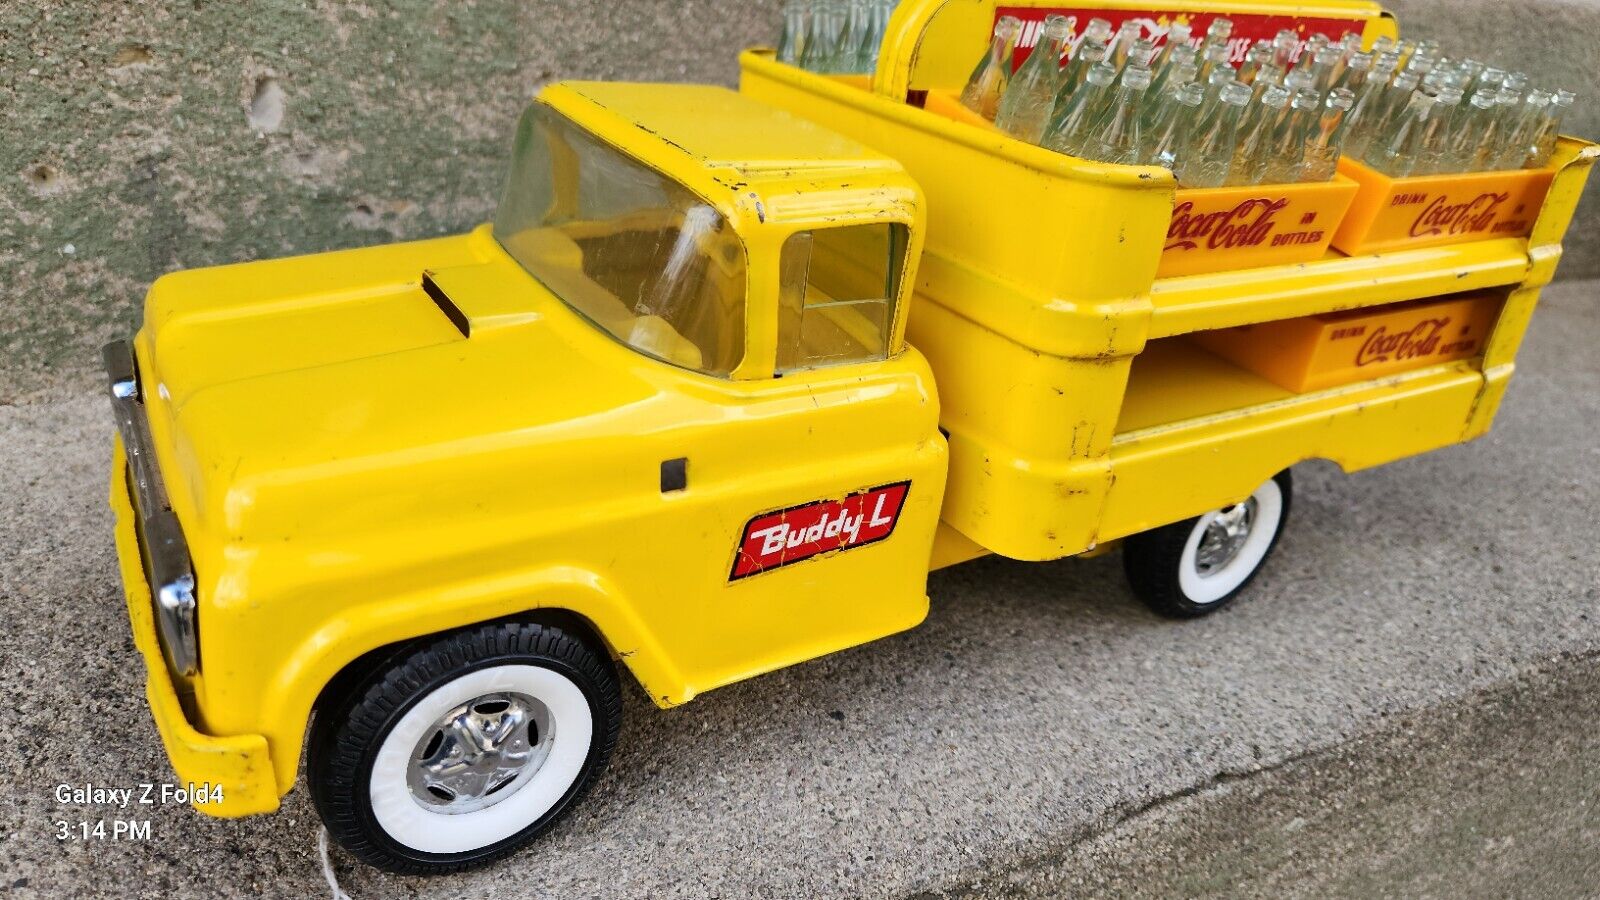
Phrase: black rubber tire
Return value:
(1151, 562)
(349, 729)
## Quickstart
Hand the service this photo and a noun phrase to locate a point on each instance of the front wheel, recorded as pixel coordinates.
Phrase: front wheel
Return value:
(1196, 566)
(463, 750)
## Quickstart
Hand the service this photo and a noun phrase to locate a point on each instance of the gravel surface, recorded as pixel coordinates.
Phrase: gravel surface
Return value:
(1039, 705)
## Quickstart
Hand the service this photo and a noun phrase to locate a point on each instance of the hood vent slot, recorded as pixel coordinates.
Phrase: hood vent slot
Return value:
(446, 305)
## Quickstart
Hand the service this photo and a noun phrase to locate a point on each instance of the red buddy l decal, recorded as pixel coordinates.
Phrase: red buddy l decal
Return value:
(776, 539)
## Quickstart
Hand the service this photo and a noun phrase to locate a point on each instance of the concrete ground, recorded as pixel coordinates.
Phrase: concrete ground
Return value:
(1405, 704)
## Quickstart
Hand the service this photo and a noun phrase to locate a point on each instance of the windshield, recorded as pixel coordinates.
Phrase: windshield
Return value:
(629, 249)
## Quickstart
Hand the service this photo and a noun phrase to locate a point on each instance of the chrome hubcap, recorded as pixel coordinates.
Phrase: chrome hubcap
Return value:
(1225, 536)
(480, 752)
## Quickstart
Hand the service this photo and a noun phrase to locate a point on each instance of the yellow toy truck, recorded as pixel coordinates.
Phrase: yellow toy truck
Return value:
(726, 378)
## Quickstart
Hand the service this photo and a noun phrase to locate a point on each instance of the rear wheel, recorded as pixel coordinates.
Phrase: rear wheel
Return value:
(456, 753)
(1197, 566)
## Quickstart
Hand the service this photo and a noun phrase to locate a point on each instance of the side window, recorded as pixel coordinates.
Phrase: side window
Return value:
(836, 295)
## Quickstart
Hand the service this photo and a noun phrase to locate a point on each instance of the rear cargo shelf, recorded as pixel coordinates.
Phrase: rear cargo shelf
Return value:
(1199, 302)
(1174, 382)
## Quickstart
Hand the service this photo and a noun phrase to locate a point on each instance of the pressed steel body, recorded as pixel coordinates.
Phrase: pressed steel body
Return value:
(353, 467)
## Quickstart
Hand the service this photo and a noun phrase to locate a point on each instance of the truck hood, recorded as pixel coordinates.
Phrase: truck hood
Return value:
(335, 393)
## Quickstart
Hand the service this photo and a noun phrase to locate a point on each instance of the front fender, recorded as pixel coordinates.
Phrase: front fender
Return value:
(358, 630)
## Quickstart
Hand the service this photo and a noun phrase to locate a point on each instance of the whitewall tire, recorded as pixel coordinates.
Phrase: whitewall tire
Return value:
(1196, 566)
(457, 752)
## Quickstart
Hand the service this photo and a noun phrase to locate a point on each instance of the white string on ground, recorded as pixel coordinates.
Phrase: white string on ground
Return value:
(327, 866)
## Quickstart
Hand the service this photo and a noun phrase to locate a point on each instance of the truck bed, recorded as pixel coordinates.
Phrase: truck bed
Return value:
(1077, 412)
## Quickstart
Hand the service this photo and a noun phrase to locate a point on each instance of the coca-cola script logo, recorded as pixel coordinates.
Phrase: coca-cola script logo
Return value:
(1421, 339)
(776, 539)
(1247, 225)
(1443, 217)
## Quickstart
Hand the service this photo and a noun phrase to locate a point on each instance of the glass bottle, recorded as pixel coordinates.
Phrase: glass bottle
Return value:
(1324, 145)
(1288, 147)
(1025, 109)
(1406, 49)
(1098, 31)
(1394, 100)
(792, 40)
(1221, 77)
(1497, 133)
(1488, 81)
(1445, 118)
(1323, 65)
(988, 82)
(1549, 131)
(1300, 80)
(1519, 145)
(1122, 45)
(1477, 128)
(857, 32)
(1395, 152)
(1177, 39)
(1361, 121)
(1286, 47)
(1260, 56)
(1257, 133)
(1207, 158)
(1308, 56)
(1422, 66)
(1142, 52)
(821, 46)
(1117, 138)
(1218, 35)
(1180, 71)
(1212, 58)
(1077, 71)
(1355, 73)
(1170, 130)
(1074, 123)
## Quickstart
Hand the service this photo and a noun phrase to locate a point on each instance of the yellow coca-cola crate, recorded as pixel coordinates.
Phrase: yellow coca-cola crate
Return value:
(1316, 352)
(1217, 229)
(1433, 210)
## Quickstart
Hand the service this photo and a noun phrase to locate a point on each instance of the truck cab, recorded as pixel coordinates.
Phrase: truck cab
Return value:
(662, 406)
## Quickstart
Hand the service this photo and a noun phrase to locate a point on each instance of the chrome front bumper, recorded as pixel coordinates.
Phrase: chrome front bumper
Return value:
(165, 553)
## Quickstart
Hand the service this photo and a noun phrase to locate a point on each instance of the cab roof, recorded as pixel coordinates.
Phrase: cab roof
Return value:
(710, 127)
